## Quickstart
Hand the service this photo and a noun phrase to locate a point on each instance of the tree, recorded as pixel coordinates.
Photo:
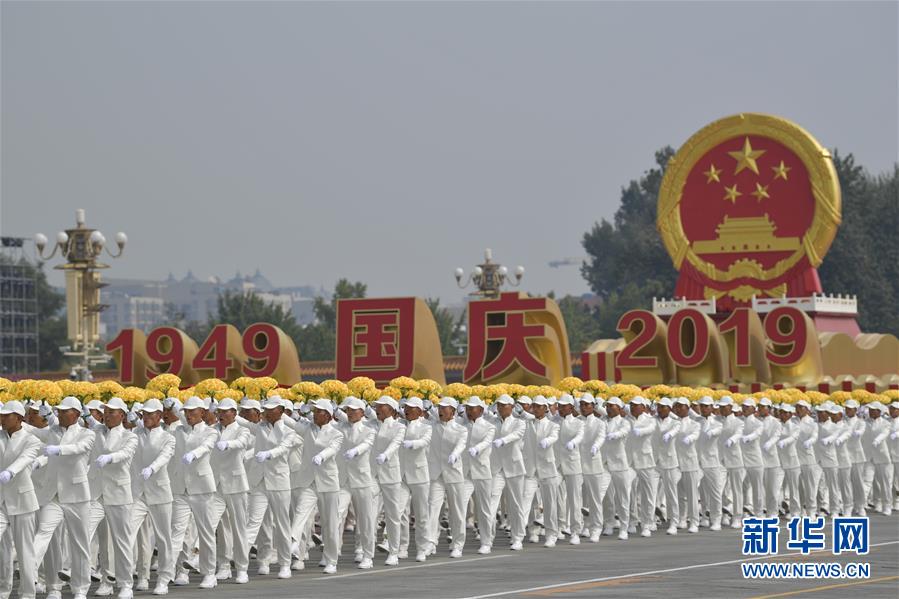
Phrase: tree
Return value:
(450, 330)
(317, 341)
(582, 322)
(247, 308)
(627, 261)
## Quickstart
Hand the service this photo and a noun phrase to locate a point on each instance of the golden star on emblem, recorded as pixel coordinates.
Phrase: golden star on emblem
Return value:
(781, 170)
(732, 193)
(746, 157)
(712, 174)
(760, 192)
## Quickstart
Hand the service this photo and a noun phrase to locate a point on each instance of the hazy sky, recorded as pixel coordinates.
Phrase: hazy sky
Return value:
(392, 142)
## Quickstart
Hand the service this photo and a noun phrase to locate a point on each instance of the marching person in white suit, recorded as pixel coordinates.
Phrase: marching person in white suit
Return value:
(639, 445)
(448, 439)
(789, 458)
(193, 487)
(507, 464)
(152, 490)
(68, 448)
(688, 433)
(809, 471)
(571, 436)
(416, 478)
(233, 486)
(542, 434)
(596, 479)
(386, 464)
(665, 449)
(774, 474)
(879, 429)
(615, 451)
(732, 457)
(857, 428)
(753, 463)
(713, 475)
(357, 484)
(18, 502)
(115, 447)
(826, 451)
(477, 466)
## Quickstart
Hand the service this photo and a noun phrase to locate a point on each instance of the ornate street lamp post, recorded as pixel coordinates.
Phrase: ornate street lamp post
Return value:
(489, 277)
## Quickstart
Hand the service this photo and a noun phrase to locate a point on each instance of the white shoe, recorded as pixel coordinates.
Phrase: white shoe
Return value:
(392, 560)
(365, 564)
(516, 546)
(632, 529)
(223, 574)
(645, 533)
(241, 578)
(693, 529)
(456, 553)
(182, 580)
(104, 590)
(297, 564)
(142, 585)
(594, 538)
(209, 582)
(484, 550)
(550, 542)
(736, 524)
(672, 530)
(192, 564)
(284, 572)
(330, 569)
(126, 594)
(403, 554)
(54, 595)
(161, 589)
(622, 536)
(421, 556)
(575, 540)
(608, 531)
(322, 563)
(358, 557)
(534, 538)
(40, 588)
(715, 527)
(79, 596)
(263, 569)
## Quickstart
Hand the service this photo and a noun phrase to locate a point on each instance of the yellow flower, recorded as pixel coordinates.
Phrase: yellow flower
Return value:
(208, 387)
(334, 390)
(595, 386)
(229, 394)
(163, 382)
(360, 384)
(458, 391)
(131, 395)
(154, 394)
(515, 390)
(108, 389)
(570, 384)
(371, 394)
(393, 392)
(307, 390)
(428, 387)
(5, 384)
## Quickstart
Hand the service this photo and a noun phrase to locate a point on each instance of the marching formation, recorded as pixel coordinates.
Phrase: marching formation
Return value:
(109, 492)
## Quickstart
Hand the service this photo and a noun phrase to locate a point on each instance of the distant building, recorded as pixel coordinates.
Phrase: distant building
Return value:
(145, 304)
(18, 310)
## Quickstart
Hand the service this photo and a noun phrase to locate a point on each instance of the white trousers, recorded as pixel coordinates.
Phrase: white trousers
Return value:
(754, 490)
(831, 480)
(119, 518)
(809, 478)
(735, 478)
(688, 495)
(774, 478)
(456, 502)
(711, 488)
(883, 485)
(482, 494)
(574, 501)
(514, 489)
(791, 485)
(160, 517)
(595, 487)
(20, 530)
(859, 494)
(644, 496)
(620, 502)
(77, 521)
(418, 502)
(363, 501)
(236, 529)
(394, 496)
(331, 525)
(207, 510)
(668, 480)
(550, 489)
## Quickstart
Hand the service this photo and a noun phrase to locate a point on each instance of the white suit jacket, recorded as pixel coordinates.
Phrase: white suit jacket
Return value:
(639, 443)
(571, 429)
(771, 430)
(446, 438)
(857, 428)
(17, 453)
(540, 462)
(707, 448)
(808, 435)
(594, 434)
(752, 445)
(274, 473)
(356, 473)
(114, 479)
(508, 459)
(155, 449)
(414, 461)
(197, 477)
(480, 434)
(67, 473)
(685, 444)
(325, 442)
(388, 441)
(618, 430)
(789, 435)
(878, 437)
(666, 451)
(731, 430)
(230, 470)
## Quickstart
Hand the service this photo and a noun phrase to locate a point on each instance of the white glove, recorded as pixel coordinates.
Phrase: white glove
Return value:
(473, 451)
(770, 444)
(222, 445)
(894, 435)
(839, 442)
(807, 444)
(35, 465)
(729, 443)
(544, 443)
(826, 442)
(350, 453)
(146, 473)
(453, 458)
(408, 444)
(858, 433)
(188, 457)
(382, 458)
(317, 460)
(781, 444)
(263, 455)
(746, 439)
(5, 476)
(687, 440)
(104, 459)
(498, 442)
(594, 450)
(52, 450)
(667, 436)
(570, 445)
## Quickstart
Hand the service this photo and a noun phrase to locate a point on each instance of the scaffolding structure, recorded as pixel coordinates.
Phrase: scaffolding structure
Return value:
(19, 346)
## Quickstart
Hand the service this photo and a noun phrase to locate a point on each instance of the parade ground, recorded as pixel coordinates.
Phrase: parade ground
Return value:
(702, 565)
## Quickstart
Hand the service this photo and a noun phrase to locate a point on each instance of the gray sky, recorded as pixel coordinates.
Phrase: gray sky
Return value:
(392, 142)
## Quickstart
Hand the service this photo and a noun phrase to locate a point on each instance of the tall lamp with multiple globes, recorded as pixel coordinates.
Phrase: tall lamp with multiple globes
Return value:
(489, 277)
(81, 247)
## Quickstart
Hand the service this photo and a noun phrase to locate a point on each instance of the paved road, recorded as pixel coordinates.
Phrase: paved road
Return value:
(703, 565)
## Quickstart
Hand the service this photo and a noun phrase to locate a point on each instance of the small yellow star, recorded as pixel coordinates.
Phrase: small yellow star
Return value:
(712, 174)
(732, 193)
(781, 170)
(760, 192)
(746, 157)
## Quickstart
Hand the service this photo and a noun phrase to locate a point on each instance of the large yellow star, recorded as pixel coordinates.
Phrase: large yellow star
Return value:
(732, 193)
(760, 192)
(712, 174)
(746, 157)
(781, 170)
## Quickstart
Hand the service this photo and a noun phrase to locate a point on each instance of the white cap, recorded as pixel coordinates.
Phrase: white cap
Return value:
(834, 409)
(895, 404)
(69, 403)
(639, 400)
(683, 401)
(414, 402)
(765, 402)
(386, 400)
(875, 405)
(727, 400)
(448, 402)
(287, 404)
(666, 401)
(749, 402)
(541, 401)
(117, 403)
(194, 403)
(152, 405)
(171, 402)
(705, 400)
(474, 401)
(505, 399)
(227, 404)
(323, 404)
(787, 408)
(13, 407)
(525, 400)
(587, 398)
(803, 403)
(272, 402)
(354, 403)
(850, 403)
(566, 400)
(250, 404)
(95, 404)
(615, 401)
